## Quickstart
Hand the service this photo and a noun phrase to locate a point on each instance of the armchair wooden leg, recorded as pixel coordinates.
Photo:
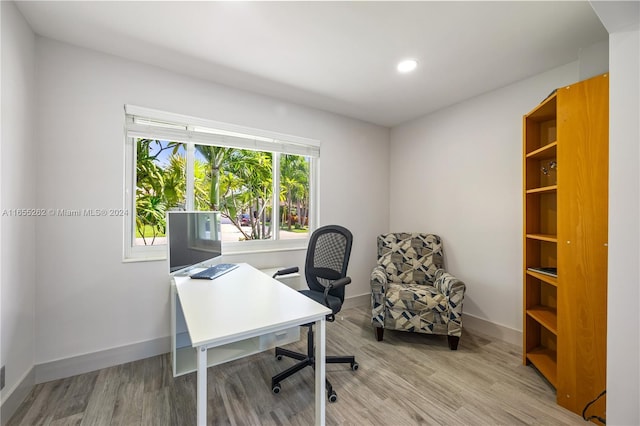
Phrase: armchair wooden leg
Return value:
(379, 333)
(453, 342)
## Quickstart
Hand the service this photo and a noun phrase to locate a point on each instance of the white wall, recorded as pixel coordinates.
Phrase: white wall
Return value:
(623, 322)
(18, 191)
(87, 300)
(458, 173)
(593, 60)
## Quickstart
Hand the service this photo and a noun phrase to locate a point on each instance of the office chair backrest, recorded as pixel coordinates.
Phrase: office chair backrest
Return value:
(328, 258)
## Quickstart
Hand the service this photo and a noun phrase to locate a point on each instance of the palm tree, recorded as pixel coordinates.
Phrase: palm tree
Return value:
(215, 157)
(150, 211)
(202, 185)
(236, 181)
(150, 194)
(175, 183)
(294, 184)
(251, 189)
(233, 200)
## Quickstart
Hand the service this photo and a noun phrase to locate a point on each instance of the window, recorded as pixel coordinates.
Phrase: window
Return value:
(262, 183)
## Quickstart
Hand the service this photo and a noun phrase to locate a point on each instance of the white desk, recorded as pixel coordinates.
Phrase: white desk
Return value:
(243, 305)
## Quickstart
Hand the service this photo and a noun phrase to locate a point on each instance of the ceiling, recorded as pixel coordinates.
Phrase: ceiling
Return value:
(335, 56)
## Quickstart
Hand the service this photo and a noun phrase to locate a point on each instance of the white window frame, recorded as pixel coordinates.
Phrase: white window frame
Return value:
(193, 130)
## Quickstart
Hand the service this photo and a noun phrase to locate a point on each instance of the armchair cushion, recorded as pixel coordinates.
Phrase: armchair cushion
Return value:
(415, 297)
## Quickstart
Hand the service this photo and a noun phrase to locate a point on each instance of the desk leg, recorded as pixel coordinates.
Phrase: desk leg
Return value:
(320, 372)
(202, 386)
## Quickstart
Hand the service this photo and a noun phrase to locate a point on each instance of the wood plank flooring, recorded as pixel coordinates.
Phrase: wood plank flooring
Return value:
(408, 379)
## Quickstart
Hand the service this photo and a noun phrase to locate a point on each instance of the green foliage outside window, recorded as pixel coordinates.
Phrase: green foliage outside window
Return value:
(232, 181)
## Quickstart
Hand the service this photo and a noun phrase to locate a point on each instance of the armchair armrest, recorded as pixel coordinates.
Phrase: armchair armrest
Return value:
(378, 291)
(378, 280)
(453, 289)
(447, 284)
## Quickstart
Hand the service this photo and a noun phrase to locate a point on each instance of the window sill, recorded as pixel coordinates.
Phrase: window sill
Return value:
(248, 247)
(158, 253)
(143, 259)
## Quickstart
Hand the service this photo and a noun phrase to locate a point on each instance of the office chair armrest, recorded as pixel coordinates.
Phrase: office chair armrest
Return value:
(286, 271)
(332, 286)
(337, 284)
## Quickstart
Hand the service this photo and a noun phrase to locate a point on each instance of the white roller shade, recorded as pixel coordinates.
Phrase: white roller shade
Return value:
(152, 124)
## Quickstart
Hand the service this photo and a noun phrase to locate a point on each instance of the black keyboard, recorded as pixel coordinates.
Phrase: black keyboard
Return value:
(214, 272)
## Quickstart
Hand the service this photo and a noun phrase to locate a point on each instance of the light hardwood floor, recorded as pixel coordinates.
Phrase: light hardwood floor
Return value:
(408, 379)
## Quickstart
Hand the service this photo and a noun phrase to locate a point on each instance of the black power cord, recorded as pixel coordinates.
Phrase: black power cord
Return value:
(600, 419)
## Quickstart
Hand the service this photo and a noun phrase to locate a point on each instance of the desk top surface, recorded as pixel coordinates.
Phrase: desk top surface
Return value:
(241, 304)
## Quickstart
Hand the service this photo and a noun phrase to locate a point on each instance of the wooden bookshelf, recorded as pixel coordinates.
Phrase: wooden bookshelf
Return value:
(565, 172)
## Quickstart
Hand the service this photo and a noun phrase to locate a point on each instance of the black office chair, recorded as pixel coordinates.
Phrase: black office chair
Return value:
(326, 275)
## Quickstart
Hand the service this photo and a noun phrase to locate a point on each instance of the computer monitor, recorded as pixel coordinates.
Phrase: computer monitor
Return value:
(193, 238)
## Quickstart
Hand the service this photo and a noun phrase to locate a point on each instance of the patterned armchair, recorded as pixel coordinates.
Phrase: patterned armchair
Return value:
(411, 291)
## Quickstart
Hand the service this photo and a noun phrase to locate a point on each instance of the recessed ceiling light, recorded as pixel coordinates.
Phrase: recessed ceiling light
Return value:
(407, 65)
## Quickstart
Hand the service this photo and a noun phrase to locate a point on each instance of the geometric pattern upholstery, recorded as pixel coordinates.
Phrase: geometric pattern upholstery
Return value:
(410, 258)
(411, 291)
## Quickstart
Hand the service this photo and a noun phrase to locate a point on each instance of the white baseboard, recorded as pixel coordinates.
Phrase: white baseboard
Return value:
(80, 364)
(16, 396)
(491, 329)
(108, 358)
(471, 322)
(357, 301)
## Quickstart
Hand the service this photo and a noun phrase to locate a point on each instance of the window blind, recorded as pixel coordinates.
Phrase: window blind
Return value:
(153, 124)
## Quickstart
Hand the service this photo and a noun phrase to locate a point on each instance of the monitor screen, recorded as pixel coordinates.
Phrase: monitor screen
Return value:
(192, 238)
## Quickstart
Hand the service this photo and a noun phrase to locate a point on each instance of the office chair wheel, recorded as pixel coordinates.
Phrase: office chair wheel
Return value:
(276, 388)
(354, 366)
(279, 357)
(333, 396)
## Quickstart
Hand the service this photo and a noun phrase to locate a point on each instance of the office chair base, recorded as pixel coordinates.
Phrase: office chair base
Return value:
(308, 360)
(332, 396)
